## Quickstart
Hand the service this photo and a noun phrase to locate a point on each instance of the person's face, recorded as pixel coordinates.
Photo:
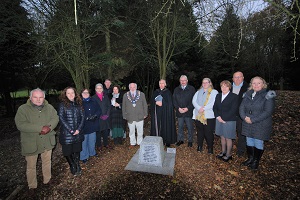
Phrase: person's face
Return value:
(225, 89)
(257, 84)
(107, 83)
(238, 78)
(132, 87)
(183, 81)
(85, 94)
(99, 89)
(70, 93)
(205, 84)
(115, 90)
(162, 84)
(37, 98)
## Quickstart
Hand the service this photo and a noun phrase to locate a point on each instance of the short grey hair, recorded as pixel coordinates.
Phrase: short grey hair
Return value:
(98, 84)
(37, 90)
(183, 76)
(132, 83)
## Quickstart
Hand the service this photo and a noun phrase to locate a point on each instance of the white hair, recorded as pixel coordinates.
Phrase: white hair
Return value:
(37, 90)
(98, 84)
(132, 83)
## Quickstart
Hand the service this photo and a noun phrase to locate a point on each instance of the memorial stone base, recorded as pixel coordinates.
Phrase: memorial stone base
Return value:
(152, 158)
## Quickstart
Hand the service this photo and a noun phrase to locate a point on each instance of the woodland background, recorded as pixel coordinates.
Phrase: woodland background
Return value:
(46, 44)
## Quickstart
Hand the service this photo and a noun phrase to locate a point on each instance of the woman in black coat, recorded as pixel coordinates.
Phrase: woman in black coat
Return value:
(71, 117)
(117, 121)
(225, 109)
(256, 111)
(104, 103)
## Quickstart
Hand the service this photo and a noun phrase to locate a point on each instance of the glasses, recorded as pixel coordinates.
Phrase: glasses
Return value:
(237, 77)
(85, 92)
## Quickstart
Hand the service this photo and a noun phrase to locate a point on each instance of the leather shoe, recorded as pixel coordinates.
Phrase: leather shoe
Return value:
(131, 146)
(167, 145)
(221, 155)
(210, 151)
(84, 161)
(51, 182)
(31, 192)
(179, 143)
(108, 147)
(227, 158)
(190, 144)
(199, 148)
(100, 148)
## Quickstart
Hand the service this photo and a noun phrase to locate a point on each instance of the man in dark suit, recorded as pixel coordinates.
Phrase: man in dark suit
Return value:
(239, 87)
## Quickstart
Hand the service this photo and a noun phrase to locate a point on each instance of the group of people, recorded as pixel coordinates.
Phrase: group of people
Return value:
(87, 121)
(240, 111)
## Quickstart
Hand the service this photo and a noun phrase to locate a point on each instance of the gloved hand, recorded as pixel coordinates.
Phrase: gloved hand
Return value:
(104, 117)
(45, 130)
(91, 118)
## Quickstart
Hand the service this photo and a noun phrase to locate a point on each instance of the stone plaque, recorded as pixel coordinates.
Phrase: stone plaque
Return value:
(151, 151)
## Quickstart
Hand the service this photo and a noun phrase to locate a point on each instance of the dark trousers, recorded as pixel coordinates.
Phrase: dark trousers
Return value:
(241, 142)
(102, 134)
(206, 131)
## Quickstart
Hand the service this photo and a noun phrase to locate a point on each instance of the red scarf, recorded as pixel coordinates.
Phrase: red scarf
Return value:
(100, 95)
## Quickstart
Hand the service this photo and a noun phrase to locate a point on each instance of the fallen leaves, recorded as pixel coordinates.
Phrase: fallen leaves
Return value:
(197, 175)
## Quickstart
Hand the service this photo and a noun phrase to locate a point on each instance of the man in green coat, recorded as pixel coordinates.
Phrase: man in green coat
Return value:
(36, 120)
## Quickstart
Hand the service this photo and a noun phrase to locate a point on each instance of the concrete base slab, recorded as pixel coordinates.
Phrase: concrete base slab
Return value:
(166, 169)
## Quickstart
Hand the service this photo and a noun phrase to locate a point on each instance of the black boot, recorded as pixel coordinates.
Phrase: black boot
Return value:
(76, 158)
(257, 155)
(72, 164)
(250, 153)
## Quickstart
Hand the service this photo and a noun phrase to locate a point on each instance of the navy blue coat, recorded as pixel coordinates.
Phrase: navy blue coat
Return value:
(91, 108)
(260, 110)
(71, 119)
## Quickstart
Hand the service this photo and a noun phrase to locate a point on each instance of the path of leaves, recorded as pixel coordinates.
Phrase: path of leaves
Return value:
(197, 175)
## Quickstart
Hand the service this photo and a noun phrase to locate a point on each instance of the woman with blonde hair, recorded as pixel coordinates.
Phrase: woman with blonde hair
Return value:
(203, 114)
(256, 111)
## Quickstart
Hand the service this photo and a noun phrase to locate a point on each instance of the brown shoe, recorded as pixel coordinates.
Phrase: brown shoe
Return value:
(131, 146)
(50, 183)
(100, 148)
(31, 192)
(108, 147)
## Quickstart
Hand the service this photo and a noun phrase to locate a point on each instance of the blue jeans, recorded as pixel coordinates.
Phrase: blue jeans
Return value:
(88, 146)
(189, 123)
(252, 142)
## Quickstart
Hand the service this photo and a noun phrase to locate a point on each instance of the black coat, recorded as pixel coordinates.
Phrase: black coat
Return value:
(183, 98)
(228, 108)
(71, 119)
(105, 106)
(260, 110)
(163, 117)
(243, 90)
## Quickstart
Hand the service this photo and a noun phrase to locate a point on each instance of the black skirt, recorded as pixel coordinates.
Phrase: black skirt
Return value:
(68, 149)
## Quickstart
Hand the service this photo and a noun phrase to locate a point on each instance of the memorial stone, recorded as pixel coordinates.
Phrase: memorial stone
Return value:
(152, 151)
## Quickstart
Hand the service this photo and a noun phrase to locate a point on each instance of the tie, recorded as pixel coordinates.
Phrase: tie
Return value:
(132, 95)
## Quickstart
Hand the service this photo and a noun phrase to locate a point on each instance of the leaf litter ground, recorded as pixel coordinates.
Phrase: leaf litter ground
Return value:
(197, 175)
